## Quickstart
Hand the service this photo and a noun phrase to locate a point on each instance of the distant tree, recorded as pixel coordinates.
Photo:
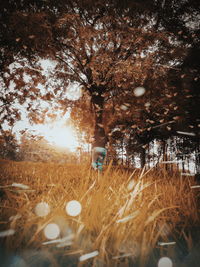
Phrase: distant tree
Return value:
(8, 145)
(36, 148)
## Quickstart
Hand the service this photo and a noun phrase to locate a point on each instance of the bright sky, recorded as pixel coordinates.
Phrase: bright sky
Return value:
(57, 132)
(59, 135)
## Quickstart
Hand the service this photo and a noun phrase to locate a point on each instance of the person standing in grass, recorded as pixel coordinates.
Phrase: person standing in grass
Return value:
(99, 150)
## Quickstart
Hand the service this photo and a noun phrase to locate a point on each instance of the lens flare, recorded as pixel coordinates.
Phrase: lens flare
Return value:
(7, 233)
(165, 262)
(139, 91)
(22, 186)
(42, 209)
(89, 255)
(73, 208)
(52, 231)
(123, 107)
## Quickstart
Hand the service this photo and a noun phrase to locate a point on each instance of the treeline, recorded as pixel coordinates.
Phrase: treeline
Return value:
(175, 153)
(34, 148)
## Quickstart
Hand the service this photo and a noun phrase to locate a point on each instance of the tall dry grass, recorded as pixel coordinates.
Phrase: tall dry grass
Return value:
(125, 215)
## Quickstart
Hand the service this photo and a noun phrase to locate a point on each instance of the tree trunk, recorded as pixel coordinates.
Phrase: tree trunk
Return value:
(164, 151)
(142, 157)
(97, 100)
(197, 161)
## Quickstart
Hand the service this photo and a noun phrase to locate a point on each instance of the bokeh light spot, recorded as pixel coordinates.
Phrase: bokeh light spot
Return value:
(89, 255)
(73, 208)
(123, 107)
(165, 262)
(52, 231)
(139, 91)
(42, 209)
(7, 232)
(147, 104)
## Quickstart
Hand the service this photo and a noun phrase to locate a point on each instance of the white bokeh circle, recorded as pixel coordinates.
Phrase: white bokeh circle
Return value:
(73, 208)
(42, 209)
(51, 231)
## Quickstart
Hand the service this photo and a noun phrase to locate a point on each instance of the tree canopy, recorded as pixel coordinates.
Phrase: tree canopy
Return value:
(108, 49)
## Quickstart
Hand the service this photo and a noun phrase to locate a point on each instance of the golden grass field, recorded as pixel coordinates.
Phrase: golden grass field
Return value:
(128, 218)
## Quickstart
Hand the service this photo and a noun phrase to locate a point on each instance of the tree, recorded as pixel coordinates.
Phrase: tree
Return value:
(36, 148)
(108, 49)
(99, 50)
(8, 145)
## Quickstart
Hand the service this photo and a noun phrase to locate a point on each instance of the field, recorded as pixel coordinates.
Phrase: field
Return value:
(128, 217)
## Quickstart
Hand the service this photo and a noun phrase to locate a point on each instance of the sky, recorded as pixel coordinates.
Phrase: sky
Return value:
(56, 132)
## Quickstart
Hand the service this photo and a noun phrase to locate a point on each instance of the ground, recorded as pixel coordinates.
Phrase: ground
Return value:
(127, 217)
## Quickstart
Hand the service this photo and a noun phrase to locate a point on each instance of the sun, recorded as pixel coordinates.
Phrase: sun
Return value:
(58, 134)
(62, 136)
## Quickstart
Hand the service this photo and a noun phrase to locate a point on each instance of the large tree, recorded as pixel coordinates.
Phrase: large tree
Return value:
(100, 50)
(107, 49)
